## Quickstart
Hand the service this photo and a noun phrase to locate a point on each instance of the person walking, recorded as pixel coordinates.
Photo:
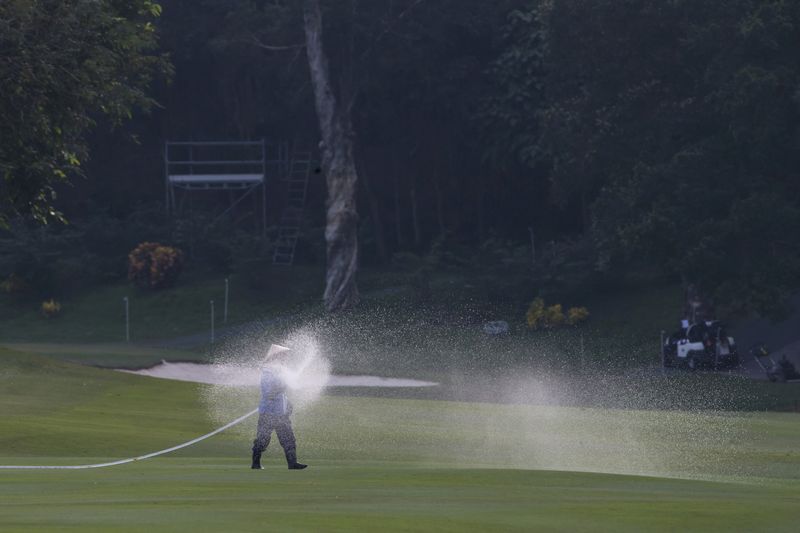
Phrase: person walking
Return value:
(274, 410)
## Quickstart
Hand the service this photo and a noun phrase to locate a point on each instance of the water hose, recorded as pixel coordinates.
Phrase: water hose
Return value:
(132, 459)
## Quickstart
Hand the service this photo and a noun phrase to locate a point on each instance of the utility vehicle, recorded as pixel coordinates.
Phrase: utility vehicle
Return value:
(700, 344)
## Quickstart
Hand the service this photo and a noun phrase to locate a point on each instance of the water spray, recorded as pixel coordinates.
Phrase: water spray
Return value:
(305, 352)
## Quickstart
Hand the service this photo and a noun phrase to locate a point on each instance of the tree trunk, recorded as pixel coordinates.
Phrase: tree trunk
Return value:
(339, 167)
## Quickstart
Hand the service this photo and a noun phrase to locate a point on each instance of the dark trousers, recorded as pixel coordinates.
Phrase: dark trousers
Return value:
(283, 427)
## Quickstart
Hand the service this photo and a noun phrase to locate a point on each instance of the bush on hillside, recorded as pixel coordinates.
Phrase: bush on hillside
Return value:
(536, 314)
(541, 316)
(13, 284)
(576, 315)
(152, 265)
(51, 308)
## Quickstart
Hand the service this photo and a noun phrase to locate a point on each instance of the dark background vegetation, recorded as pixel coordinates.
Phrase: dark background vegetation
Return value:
(542, 146)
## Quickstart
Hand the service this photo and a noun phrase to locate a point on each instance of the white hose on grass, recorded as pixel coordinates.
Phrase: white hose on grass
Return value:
(132, 459)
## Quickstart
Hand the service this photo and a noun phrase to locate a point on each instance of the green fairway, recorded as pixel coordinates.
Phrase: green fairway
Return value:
(222, 495)
(380, 463)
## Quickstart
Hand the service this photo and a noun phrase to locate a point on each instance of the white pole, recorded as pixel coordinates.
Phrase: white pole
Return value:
(212, 321)
(127, 321)
(225, 310)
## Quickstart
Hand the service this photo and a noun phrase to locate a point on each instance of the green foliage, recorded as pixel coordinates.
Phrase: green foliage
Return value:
(218, 245)
(154, 266)
(565, 265)
(64, 63)
(13, 284)
(510, 110)
(673, 128)
(42, 261)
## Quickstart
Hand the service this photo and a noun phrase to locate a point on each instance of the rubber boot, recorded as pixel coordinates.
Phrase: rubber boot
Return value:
(256, 461)
(291, 460)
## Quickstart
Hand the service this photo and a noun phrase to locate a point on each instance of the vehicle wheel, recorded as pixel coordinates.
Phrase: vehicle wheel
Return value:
(668, 362)
(691, 362)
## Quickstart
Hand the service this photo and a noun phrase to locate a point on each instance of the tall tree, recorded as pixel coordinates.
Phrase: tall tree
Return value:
(63, 63)
(338, 164)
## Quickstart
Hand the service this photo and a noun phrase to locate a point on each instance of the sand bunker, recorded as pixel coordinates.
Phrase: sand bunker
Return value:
(234, 375)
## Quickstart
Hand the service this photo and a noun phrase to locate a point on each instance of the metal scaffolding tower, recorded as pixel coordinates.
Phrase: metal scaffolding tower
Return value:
(239, 167)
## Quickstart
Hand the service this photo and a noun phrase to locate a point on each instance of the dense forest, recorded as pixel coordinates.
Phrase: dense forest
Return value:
(618, 136)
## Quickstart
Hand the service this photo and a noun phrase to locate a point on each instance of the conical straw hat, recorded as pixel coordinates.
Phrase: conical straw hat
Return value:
(276, 349)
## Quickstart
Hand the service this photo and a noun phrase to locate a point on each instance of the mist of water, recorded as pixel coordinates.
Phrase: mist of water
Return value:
(237, 372)
(509, 414)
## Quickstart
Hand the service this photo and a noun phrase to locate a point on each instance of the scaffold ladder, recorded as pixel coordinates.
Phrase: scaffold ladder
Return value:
(292, 215)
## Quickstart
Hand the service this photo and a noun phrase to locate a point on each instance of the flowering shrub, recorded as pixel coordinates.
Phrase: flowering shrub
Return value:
(576, 315)
(546, 317)
(154, 266)
(13, 283)
(51, 308)
(535, 315)
(553, 316)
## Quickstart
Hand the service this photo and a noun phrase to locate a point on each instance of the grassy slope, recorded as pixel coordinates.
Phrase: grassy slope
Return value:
(119, 355)
(379, 463)
(97, 314)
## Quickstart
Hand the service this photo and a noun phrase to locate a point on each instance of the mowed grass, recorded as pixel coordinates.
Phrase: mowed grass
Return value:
(380, 464)
(220, 495)
(118, 355)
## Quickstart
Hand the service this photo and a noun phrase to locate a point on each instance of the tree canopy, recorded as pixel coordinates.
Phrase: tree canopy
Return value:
(675, 125)
(63, 65)
(641, 135)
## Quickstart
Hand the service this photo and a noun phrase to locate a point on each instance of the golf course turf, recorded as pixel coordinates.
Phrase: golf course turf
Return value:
(380, 463)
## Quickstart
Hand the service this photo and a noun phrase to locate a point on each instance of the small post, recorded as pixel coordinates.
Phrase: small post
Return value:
(583, 354)
(225, 309)
(127, 320)
(212, 321)
(533, 245)
(166, 176)
(263, 193)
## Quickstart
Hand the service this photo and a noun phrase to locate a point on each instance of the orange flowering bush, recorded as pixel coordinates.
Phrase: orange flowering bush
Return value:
(154, 266)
